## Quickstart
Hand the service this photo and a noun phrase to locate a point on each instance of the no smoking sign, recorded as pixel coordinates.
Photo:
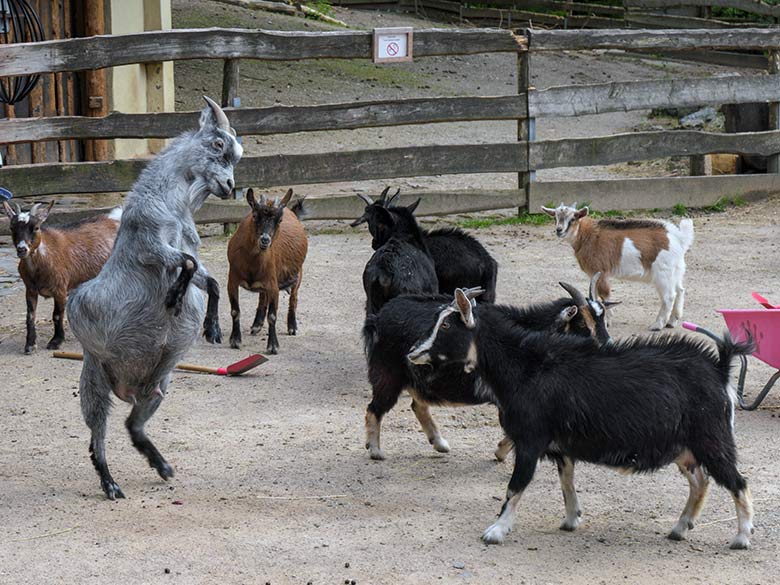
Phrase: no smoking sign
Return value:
(392, 45)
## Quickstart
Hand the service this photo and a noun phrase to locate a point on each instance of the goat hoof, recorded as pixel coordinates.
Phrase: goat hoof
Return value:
(655, 327)
(255, 330)
(213, 334)
(292, 331)
(376, 454)
(495, 534)
(54, 344)
(570, 525)
(272, 349)
(112, 490)
(441, 445)
(165, 470)
(740, 542)
(675, 535)
(28, 349)
(235, 343)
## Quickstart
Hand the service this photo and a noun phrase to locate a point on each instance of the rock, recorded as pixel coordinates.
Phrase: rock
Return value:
(459, 565)
(698, 118)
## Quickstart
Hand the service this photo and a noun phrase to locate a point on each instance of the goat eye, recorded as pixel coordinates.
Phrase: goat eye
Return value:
(218, 144)
(445, 325)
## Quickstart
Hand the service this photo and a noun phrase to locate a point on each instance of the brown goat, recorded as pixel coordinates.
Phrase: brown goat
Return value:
(266, 255)
(53, 261)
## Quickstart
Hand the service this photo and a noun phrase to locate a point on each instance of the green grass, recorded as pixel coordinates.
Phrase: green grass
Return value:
(724, 203)
(524, 218)
(679, 209)
(321, 6)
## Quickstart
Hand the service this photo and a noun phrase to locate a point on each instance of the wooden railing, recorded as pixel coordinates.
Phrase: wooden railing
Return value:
(522, 157)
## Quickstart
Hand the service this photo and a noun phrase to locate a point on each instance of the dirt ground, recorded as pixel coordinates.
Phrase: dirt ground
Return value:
(273, 483)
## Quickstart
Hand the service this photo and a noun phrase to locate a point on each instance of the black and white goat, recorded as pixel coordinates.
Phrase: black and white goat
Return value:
(460, 259)
(636, 405)
(403, 265)
(389, 336)
(644, 250)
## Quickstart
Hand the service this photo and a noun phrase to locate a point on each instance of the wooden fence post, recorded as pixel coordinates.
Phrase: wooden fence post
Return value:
(773, 162)
(230, 99)
(526, 127)
(96, 97)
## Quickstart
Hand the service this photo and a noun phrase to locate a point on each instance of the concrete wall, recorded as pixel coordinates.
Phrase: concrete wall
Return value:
(143, 87)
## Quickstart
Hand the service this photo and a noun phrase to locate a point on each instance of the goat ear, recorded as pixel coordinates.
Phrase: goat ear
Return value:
(286, 198)
(9, 211)
(414, 205)
(548, 211)
(393, 198)
(464, 307)
(569, 313)
(41, 213)
(383, 197)
(581, 213)
(250, 198)
(384, 218)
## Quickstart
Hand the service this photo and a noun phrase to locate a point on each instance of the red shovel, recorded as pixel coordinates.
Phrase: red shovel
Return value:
(235, 369)
(764, 302)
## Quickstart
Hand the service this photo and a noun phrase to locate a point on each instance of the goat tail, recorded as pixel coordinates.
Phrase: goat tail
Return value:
(298, 209)
(370, 334)
(728, 349)
(686, 234)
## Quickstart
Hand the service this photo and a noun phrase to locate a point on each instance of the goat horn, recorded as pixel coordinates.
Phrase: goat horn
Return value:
(394, 197)
(222, 119)
(576, 295)
(593, 292)
(383, 197)
(474, 292)
(365, 198)
(18, 208)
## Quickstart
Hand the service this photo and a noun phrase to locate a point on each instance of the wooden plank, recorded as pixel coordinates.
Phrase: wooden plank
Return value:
(607, 150)
(272, 120)
(737, 60)
(773, 162)
(655, 20)
(581, 7)
(750, 6)
(216, 43)
(671, 40)
(442, 5)
(505, 16)
(96, 81)
(276, 170)
(230, 82)
(577, 100)
(652, 193)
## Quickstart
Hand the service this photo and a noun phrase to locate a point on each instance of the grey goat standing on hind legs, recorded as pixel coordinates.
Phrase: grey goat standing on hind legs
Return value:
(139, 316)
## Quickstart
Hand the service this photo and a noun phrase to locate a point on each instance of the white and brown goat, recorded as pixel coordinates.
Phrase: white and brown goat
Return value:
(53, 261)
(630, 249)
(266, 255)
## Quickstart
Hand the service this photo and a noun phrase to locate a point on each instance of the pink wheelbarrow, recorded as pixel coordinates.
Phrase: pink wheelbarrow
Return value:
(763, 326)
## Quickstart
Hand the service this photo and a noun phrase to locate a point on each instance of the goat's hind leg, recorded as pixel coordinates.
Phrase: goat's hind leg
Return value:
(699, 483)
(292, 322)
(386, 390)
(262, 308)
(423, 413)
(142, 411)
(570, 500)
(95, 396)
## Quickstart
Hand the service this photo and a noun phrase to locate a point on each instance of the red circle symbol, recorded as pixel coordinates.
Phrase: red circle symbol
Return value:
(392, 49)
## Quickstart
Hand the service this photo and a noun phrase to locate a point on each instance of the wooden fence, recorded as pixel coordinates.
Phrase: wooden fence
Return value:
(522, 157)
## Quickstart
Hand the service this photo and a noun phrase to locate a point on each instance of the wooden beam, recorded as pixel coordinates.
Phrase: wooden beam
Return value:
(279, 170)
(652, 193)
(96, 99)
(670, 40)
(581, 7)
(272, 120)
(750, 6)
(577, 100)
(655, 20)
(217, 43)
(607, 150)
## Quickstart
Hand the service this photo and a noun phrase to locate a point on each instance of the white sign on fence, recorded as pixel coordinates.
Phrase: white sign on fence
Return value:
(392, 45)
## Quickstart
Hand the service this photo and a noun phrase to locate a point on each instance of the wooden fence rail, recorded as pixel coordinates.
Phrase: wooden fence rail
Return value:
(224, 43)
(653, 40)
(750, 6)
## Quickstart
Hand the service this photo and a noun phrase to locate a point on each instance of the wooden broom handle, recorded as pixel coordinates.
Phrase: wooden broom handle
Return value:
(71, 355)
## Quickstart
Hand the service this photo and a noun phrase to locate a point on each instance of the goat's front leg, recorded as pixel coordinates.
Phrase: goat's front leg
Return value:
(60, 296)
(423, 414)
(211, 329)
(32, 305)
(262, 307)
(273, 303)
(525, 465)
(235, 311)
(175, 296)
